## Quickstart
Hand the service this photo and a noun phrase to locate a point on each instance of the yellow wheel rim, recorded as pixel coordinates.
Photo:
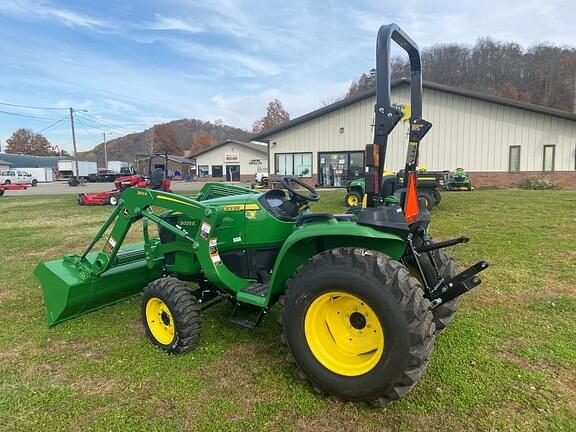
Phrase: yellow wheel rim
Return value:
(160, 321)
(352, 201)
(344, 333)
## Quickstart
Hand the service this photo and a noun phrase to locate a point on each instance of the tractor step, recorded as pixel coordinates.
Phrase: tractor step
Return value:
(246, 315)
(459, 284)
(260, 289)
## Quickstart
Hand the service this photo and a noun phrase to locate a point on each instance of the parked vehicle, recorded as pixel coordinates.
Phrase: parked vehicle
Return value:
(362, 299)
(67, 169)
(429, 185)
(261, 181)
(15, 176)
(459, 181)
(107, 175)
(42, 175)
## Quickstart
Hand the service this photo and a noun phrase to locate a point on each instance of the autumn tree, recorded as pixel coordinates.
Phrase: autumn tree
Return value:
(25, 141)
(164, 139)
(543, 74)
(275, 116)
(202, 141)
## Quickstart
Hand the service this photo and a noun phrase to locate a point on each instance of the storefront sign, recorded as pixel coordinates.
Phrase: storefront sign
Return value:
(231, 157)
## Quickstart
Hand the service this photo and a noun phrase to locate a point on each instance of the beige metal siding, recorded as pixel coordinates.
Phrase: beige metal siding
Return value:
(466, 132)
(216, 157)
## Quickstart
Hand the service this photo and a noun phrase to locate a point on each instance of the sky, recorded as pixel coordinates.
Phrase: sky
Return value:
(132, 64)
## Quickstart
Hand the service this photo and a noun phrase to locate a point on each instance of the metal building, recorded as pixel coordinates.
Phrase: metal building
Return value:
(499, 141)
(231, 160)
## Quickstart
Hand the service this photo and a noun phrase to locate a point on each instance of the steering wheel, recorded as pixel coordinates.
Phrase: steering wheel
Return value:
(288, 183)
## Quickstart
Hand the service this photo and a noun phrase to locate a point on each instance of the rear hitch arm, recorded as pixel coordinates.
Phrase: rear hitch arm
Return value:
(458, 285)
(443, 244)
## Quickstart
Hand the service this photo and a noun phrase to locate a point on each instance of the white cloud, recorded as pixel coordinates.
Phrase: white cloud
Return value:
(173, 23)
(31, 10)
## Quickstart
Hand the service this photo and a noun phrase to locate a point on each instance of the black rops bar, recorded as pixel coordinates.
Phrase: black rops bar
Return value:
(386, 117)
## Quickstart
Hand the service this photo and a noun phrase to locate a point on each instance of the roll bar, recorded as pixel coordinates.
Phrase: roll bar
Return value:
(387, 116)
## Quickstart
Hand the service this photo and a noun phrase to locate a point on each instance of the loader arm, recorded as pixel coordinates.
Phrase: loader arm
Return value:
(78, 284)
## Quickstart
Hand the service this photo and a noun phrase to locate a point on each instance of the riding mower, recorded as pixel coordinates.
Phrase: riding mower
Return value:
(459, 181)
(362, 298)
(158, 181)
(429, 184)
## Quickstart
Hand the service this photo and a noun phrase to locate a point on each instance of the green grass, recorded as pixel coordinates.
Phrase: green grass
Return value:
(508, 362)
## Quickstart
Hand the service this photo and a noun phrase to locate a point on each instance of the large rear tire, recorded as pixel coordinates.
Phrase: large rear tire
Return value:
(171, 315)
(437, 197)
(357, 325)
(428, 199)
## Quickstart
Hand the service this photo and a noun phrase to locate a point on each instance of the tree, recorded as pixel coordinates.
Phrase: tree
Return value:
(25, 141)
(275, 116)
(202, 141)
(543, 74)
(164, 139)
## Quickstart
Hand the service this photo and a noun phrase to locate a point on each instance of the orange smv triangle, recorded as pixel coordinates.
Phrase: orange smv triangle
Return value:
(411, 206)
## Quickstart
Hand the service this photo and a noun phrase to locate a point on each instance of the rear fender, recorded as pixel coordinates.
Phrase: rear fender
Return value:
(313, 238)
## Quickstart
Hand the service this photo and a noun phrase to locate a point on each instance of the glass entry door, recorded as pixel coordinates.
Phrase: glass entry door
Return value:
(336, 169)
(232, 172)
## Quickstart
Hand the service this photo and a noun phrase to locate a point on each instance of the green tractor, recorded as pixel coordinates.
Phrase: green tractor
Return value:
(362, 298)
(429, 184)
(459, 181)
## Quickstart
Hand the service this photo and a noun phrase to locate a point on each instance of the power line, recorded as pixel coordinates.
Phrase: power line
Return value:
(54, 124)
(84, 126)
(27, 116)
(31, 107)
(103, 123)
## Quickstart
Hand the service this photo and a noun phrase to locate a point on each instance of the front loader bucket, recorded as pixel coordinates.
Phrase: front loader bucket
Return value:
(68, 293)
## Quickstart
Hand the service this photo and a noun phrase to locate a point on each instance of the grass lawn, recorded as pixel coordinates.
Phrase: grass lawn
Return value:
(508, 362)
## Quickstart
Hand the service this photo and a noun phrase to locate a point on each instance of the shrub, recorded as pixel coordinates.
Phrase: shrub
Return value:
(540, 183)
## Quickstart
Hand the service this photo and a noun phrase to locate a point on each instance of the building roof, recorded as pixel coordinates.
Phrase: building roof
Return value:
(3, 162)
(259, 147)
(426, 84)
(29, 161)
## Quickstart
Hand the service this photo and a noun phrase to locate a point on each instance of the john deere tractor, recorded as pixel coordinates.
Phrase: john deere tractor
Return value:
(361, 298)
(459, 181)
(429, 184)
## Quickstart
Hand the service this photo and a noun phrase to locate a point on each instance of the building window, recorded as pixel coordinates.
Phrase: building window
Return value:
(217, 171)
(336, 169)
(549, 154)
(514, 159)
(202, 171)
(298, 164)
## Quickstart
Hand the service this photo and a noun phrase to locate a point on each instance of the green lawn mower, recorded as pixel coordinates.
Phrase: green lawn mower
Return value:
(429, 184)
(362, 297)
(459, 181)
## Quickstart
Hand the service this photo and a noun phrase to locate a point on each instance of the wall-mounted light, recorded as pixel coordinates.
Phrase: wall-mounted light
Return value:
(341, 130)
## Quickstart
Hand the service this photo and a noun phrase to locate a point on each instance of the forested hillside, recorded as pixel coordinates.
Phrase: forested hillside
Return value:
(543, 74)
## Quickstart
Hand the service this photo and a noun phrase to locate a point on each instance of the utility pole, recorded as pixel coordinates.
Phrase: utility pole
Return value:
(74, 142)
(105, 152)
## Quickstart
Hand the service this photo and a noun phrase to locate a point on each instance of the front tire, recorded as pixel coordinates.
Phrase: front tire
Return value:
(113, 200)
(352, 199)
(357, 325)
(7, 182)
(171, 315)
(34, 183)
